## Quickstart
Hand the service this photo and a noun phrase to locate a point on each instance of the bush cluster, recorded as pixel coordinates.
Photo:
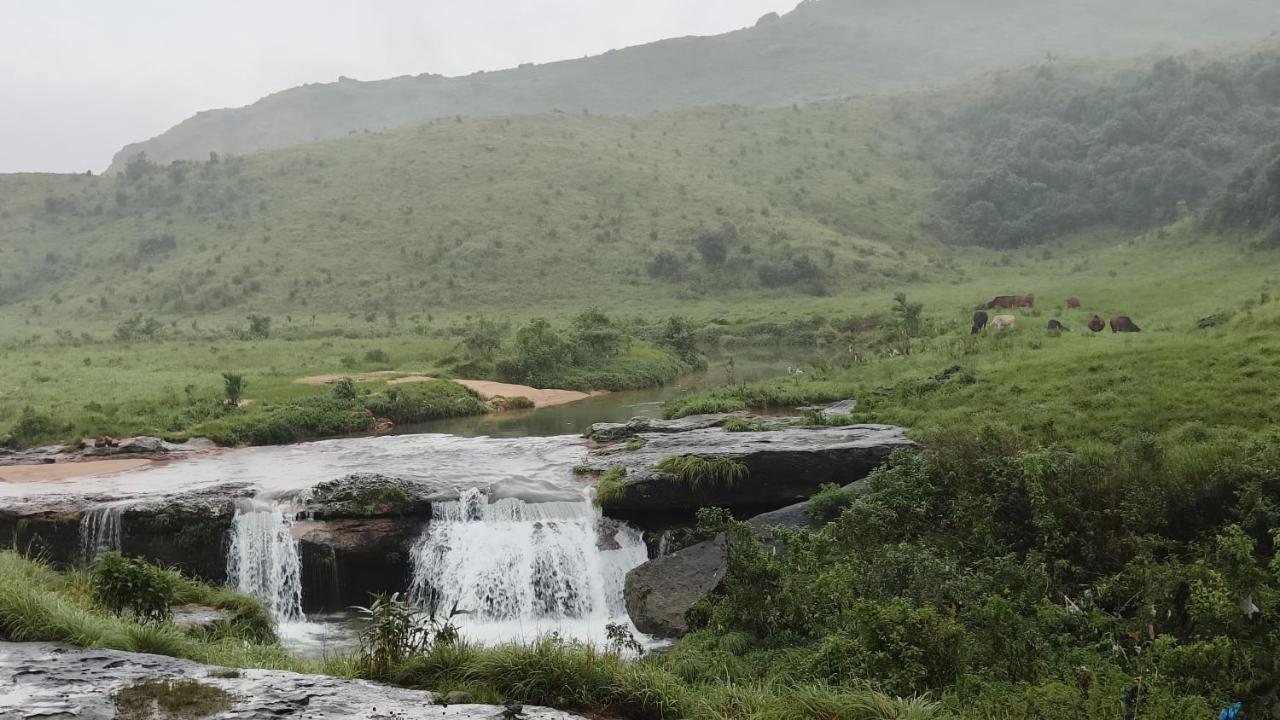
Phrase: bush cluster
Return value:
(991, 566)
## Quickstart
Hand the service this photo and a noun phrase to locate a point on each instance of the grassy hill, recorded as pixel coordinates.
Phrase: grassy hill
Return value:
(824, 49)
(456, 217)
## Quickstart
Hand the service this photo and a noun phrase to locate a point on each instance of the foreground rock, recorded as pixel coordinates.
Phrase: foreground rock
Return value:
(783, 467)
(660, 592)
(40, 680)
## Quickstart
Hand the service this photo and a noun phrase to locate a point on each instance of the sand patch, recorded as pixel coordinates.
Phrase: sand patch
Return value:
(488, 389)
(56, 472)
(541, 398)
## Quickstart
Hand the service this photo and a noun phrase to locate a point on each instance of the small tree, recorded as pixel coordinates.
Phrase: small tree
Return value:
(483, 338)
(908, 321)
(259, 327)
(233, 385)
(679, 335)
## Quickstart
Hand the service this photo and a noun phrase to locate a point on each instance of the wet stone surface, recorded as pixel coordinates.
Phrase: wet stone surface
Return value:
(46, 681)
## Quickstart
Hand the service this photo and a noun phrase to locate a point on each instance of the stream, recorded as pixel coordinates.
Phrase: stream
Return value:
(514, 541)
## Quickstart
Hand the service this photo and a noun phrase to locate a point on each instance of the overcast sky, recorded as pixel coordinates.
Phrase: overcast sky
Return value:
(81, 78)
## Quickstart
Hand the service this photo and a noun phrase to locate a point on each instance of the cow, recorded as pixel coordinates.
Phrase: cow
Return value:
(1056, 327)
(1008, 302)
(1097, 324)
(979, 321)
(1000, 322)
(1122, 323)
(1073, 303)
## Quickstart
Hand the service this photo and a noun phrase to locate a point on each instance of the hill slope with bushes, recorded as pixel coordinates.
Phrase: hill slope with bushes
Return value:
(824, 49)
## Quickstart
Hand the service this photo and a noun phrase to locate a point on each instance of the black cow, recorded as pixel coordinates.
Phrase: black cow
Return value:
(979, 321)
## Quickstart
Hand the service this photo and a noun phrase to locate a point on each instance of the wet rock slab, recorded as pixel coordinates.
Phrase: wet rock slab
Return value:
(784, 466)
(41, 680)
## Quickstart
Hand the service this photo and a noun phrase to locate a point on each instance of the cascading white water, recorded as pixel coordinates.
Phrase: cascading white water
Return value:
(520, 570)
(263, 560)
(100, 529)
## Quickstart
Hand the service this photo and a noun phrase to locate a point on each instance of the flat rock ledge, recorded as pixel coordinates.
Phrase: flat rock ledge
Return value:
(42, 680)
(784, 466)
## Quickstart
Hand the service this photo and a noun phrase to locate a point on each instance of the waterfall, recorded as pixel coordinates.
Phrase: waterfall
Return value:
(263, 559)
(520, 570)
(100, 530)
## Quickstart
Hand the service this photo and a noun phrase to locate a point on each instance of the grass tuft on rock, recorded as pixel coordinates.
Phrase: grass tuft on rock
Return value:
(170, 699)
(699, 472)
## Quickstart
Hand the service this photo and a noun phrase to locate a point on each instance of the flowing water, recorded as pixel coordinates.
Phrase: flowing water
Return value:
(522, 570)
(263, 559)
(100, 531)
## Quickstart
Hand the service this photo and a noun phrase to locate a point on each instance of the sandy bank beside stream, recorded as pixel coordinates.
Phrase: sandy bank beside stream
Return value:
(57, 472)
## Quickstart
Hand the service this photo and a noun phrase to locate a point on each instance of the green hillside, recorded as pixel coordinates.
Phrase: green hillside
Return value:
(456, 217)
(824, 49)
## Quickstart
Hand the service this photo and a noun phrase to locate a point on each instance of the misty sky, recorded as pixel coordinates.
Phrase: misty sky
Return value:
(81, 78)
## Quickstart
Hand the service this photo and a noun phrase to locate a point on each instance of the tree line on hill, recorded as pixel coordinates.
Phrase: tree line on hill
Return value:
(1048, 154)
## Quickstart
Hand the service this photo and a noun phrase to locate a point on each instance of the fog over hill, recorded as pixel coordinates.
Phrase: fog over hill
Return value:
(823, 49)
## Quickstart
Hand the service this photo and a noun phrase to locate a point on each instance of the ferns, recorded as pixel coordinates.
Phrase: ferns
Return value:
(699, 472)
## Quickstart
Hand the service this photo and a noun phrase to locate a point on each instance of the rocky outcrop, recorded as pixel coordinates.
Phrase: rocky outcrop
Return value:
(343, 561)
(660, 592)
(188, 533)
(354, 538)
(367, 495)
(41, 680)
(783, 467)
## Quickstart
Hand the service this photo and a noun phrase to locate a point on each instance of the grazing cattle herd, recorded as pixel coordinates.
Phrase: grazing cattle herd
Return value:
(982, 320)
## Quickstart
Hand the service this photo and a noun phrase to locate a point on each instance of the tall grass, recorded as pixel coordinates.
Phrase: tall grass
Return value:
(702, 472)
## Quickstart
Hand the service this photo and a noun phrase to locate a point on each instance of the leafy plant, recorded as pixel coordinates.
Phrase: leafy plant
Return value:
(397, 631)
(345, 389)
(620, 638)
(123, 584)
(233, 387)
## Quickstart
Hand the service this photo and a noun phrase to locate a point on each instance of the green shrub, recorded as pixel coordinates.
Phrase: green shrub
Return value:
(33, 428)
(827, 504)
(345, 389)
(423, 401)
(123, 584)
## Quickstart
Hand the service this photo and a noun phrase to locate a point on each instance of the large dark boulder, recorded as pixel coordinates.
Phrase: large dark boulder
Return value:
(660, 592)
(53, 536)
(188, 533)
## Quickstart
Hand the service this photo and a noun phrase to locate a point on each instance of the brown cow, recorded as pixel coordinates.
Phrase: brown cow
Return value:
(1122, 323)
(1073, 303)
(1097, 324)
(1006, 302)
